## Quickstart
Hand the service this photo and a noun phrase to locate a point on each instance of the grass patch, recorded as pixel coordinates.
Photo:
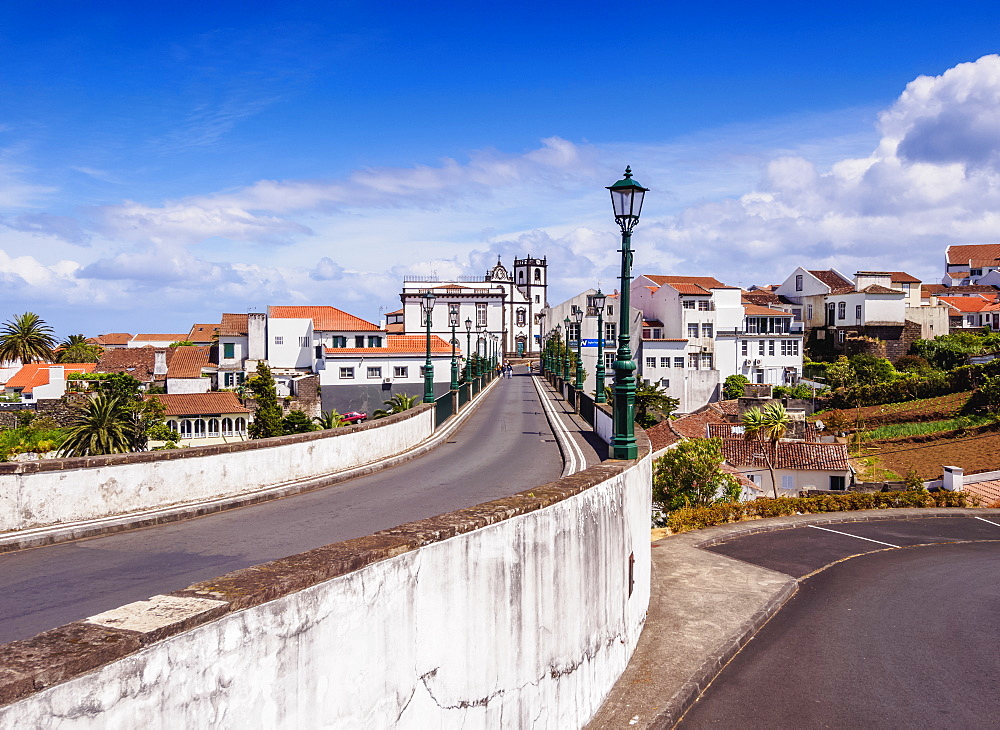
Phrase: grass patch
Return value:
(903, 430)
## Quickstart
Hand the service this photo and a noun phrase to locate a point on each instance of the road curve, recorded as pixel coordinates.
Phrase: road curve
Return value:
(505, 446)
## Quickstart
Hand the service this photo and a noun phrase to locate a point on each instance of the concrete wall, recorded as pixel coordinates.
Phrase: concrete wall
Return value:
(59, 491)
(548, 591)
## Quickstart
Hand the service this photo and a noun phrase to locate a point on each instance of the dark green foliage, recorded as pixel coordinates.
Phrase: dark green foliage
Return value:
(734, 386)
(75, 348)
(102, 425)
(27, 338)
(397, 404)
(267, 417)
(690, 474)
(799, 392)
(914, 364)
(869, 369)
(329, 419)
(990, 391)
(649, 397)
(298, 422)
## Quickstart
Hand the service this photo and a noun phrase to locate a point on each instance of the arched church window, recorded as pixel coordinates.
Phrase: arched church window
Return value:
(538, 274)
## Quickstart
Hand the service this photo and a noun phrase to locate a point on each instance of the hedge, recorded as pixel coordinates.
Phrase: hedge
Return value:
(694, 518)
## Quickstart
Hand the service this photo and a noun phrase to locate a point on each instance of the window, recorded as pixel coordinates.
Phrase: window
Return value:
(359, 340)
(538, 275)
(836, 482)
(610, 331)
(213, 427)
(788, 482)
(841, 336)
(481, 315)
(703, 305)
(522, 317)
(374, 341)
(647, 333)
(520, 277)
(692, 329)
(304, 342)
(664, 362)
(573, 331)
(906, 286)
(199, 429)
(611, 311)
(770, 347)
(172, 425)
(976, 272)
(279, 340)
(536, 299)
(798, 282)
(688, 304)
(857, 312)
(809, 312)
(743, 348)
(760, 347)
(185, 429)
(678, 362)
(789, 347)
(706, 329)
(693, 361)
(650, 362)
(228, 380)
(423, 370)
(609, 361)
(657, 333)
(665, 382)
(400, 371)
(241, 425)
(229, 350)
(227, 426)
(374, 372)
(797, 314)
(706, 361)
(347, 373)
(338, 341)
(841, 310)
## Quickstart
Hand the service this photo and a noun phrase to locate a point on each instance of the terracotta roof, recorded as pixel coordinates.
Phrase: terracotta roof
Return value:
(725, 430)
(728, 407)
(177, 337)
(974, 254)
(902, 277)
(969, 304)
(201, 404)
(989, 490)
(837, 283)
(695, 289)
(707, 282)
(957, 274)
(202, 333)
(879, 289)
(754, 311)
(652, 323)
(188, 360)
(112, 338)
(938, 289)
(135, 361)
(760, 298)
(234, 325)
(660, 436)
(389, 314)
(398, 345)
(395, 329)
(326, 319)
(791, 454)
(695, 425)
(653, 289)
(31, 376)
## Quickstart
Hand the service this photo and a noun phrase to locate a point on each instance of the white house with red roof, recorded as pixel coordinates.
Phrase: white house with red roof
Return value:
(203, 419)
(972, 312)
(36, 381)
(975, 263)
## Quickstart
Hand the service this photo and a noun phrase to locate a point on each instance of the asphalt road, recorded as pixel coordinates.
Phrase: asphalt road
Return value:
(896, 638)
(505, 446)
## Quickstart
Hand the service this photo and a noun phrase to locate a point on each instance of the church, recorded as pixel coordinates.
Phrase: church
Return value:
(502, 307)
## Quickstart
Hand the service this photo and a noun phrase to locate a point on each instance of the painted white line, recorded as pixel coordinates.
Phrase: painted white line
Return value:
(573, 458)
(838, 532)
(996, 524)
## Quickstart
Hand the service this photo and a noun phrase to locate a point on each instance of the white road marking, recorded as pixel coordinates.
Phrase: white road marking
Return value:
(996, 524)
(574, 460)
(838, 532)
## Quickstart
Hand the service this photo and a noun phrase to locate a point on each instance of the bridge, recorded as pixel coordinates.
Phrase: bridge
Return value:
(369, 600)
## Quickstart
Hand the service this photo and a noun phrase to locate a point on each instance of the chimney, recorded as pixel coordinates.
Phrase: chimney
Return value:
(159, 363)
(953, 479)
(57, 374)
(256, 336)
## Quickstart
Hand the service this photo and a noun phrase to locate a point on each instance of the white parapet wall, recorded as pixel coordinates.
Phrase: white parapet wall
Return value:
(517, 613)
(61, 491)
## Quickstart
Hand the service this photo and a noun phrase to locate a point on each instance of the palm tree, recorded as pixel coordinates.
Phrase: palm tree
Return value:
(768, 425)
(329, 419)
(27, 338)
(103, 425)
(75, 348)
(397, 404)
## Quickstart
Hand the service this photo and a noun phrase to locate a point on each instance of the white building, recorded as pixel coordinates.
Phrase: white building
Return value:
(502, 303)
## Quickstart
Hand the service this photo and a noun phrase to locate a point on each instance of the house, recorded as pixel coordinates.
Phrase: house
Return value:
(973, 312)
(190, 369)
(799, 465)
(394, 324)
(503, 303)
(203, 334)
(977, 263)
(111, 341)
(147, 364)
(38, 381)
(297, 336)
(205, 418)
(156, 340)
(242, 343)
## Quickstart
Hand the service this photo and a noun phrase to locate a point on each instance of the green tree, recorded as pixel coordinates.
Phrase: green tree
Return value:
(298, 422)
(840, 374)
(397, 404)
(145, 414)
(768, 425)
(181, 343)
(329, 419)
(267, 417)
(652, 397)
(27, 338)
(102, 425)
(990, 390)
(690, 475)
(75, 348)
(735, 386)
(869, 369)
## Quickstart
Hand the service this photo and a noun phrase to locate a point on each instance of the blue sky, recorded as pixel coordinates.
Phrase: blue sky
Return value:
(162, 164)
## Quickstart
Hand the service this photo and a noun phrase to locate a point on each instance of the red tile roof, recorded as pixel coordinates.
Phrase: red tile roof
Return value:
(188, 360)
(660, 436)
(135, 361)
(760, 298)
(201, 404)
(325, 319)
(652, 323)
(969, 304)
(837, 283)
(202, 333)
(695, 425)
(31, 376)
(879, 289)
(181, 337)
(397, 345)
(753, 310)
(901, 277)
(398, 311)
(791, 454)
(938, 289)
(974, 254)
(112, 338)
(706, 282)
(234, 325)
(989, 490)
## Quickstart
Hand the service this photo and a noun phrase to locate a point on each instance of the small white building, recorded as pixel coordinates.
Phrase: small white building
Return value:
(203, 419)
(36, 381)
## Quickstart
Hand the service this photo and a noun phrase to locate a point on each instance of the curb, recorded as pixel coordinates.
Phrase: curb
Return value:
(51, 535)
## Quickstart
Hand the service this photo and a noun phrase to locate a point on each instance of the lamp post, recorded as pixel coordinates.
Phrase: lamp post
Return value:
(557, 357)
(565, 372)
(480, 365)
(578, 316)
(626, 198)
(541, 342)
(468, 350)
(599, 299)
(428, 305)
(453, 321)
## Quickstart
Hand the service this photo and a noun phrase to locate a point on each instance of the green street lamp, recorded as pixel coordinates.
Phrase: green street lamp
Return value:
(566, 352)
(541, 342)
(557, 356)
(428, 306)
(468, 350)
(599, 299)
(480, 364)
(626, 198)
(578, 316)
(453, 321)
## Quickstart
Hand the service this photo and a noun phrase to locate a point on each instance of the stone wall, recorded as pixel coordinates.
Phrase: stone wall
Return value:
(516, 613)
